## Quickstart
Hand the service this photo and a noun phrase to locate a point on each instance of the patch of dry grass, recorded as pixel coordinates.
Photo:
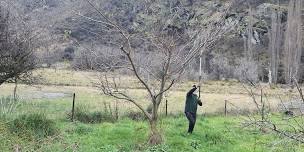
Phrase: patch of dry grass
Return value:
(63, 77)
(92, 97)
(214, 93)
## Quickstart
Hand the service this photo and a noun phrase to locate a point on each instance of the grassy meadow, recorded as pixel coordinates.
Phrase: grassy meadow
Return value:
(50, 102)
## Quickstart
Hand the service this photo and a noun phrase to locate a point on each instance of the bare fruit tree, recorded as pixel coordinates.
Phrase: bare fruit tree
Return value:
(157, 52)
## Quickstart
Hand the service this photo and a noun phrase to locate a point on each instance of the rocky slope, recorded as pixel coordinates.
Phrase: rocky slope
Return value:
(224, 61)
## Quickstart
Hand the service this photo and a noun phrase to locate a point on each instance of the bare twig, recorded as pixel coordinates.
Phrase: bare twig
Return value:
(299, 89)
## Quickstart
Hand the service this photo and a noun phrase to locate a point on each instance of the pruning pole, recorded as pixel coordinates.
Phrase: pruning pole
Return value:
(200, 77)
(200, 73)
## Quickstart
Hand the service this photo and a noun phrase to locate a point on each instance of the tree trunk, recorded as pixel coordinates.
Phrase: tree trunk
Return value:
(249, 49)
(293, 41)
(275, 44)
(270, 77)
(155, 137)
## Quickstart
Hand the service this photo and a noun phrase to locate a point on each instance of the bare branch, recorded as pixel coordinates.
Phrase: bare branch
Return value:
(137, 75)
(299, 89)
(165, 90)
(106, 88)
(108, 20)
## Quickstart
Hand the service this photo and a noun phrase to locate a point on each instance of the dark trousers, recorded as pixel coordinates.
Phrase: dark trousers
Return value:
(192, 119)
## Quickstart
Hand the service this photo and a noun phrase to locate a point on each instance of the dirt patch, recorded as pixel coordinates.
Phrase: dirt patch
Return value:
(46, 95)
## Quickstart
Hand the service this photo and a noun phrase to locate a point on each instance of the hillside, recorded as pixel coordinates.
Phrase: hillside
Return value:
(70, 29)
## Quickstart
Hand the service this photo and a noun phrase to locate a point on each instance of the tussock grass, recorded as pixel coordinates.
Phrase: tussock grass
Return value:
(135, 115)
(8, 105)
(33, 126)
(83, 114)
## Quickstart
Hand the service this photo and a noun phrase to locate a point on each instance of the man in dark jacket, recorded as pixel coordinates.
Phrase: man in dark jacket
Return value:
(192, 101)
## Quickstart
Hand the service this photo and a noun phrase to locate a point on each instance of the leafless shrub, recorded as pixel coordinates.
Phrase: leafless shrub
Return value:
(291, 127)
(221, 67)
(246, 70)
(98, 58)
(16, 47)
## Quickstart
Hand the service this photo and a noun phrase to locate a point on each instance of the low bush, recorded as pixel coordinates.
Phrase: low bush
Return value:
(82, 129)
(215, 137)
(135, 115)
(82, 114)
(33, 125)
(8, 105)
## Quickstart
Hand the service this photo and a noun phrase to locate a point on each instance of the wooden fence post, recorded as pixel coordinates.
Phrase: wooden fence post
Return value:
(225, 108)
(73, 107)
(166, 107)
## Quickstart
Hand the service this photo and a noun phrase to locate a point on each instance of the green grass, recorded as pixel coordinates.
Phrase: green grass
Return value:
(33, 125)
(212, 134)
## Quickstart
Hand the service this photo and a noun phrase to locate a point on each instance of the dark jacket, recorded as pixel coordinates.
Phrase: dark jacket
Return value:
(192, 101)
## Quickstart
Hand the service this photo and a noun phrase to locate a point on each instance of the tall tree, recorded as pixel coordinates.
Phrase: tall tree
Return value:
(275, 37)
(293, 41)
(250, 39)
